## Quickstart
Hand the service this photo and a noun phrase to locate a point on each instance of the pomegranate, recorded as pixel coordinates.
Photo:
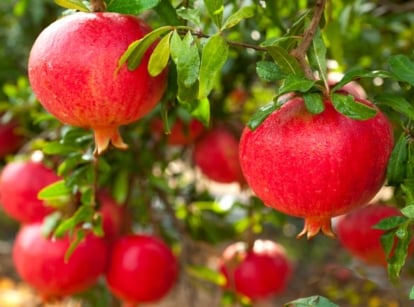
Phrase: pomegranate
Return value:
(73, 70)
(10, 139)
(20, 182)
(258, 273)
(216, 155)
(357, 235)
(316, 166)
(142, 269)
(41, 262)
(182, 133)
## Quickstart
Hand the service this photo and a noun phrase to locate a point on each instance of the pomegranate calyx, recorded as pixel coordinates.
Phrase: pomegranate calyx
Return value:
(107, 135)
(315, 224)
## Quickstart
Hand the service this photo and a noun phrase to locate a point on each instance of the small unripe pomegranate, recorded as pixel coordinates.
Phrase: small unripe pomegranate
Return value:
(182, 133)
(216, 154)
(10, 139)
(259, 273)
(73, 70)
(316, 166)
(142, 269)
(20, 183)
(40, 262)
(357, 235)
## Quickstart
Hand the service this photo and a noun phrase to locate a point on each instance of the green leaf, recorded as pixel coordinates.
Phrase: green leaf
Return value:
(314, 102)
(397, 261)
(260, 115)
(158, 60)
(360, 73)
(58, 148)
(397, 103)
(243, 13)
(132, 7)
(402, 67)
(295, 83)
(190, 14)
(312, 301)
(215, 8)
(268, 71)
(408, 211)
(83, 214)
(54, 190)
(389, 223)
(202, 111)
(411, 295)
(317, 56)
(214, 56)
(136, 50)
(120, 186)
(206, 274)
(73, 5)
(287, 63)
(80, 235)
(387, 240)
(167, 13)
(397, 165)
(347, 105)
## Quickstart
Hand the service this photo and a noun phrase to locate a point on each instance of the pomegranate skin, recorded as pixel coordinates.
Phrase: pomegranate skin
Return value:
(142, 269)
(356, 233)
(20, 182)
(316, 166)
(40, 262)
(73, 70)
(216, 154)
(259, 273)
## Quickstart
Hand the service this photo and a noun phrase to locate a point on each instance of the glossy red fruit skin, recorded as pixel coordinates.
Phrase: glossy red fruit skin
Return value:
(316, 166)
(216, 154)
(20, 182)
(142, 269)
(182, 133)
(257, 274)
(40, 262)
(10, 140)
(356, 233)
(73, 70)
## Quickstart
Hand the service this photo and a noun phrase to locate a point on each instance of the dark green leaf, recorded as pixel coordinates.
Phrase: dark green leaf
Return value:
(359, 73)
(133, 7)
(398, 103)
(287, 63)
(402, 67)
(214, 56)
(167, 13)
(387, 241)
(314, 102)
(347, 105)
(294, 83)
(391, 222)
(243, 13)
(190, 14)
(261, 115)
(317, 56)
(206, 274)
(312, 301)
(268, 71)
(73, 5)
(215, 8)
(397, 164)
(158, 60)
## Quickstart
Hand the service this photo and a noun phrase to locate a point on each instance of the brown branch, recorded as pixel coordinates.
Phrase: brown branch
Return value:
(300, 51)
(98, 5)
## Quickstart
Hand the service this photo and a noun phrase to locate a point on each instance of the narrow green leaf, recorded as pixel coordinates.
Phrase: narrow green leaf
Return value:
(190, 14)
(133, 7)
(55, 190)
(214, 56)
(268, 71)
(207, 274)
(202, 111)
(347, 105)
(314, 102)
(260, 115)
(387, 240)
(397, 261)
(317, 56)
(360, 73)
(397, 103)
(73, 5)
(58, 148)
(295, 83)
(287, 63)
(402, 67)
(80, 235)
(411, 295)
(158, 60)
(397, 165)
(215, 8)
(82, 214)
(120, 186)
(312, 301)
(391, 222)
(243, 13)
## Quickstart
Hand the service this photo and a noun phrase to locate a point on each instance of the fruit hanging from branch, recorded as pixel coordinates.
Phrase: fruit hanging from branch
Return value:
(73, 70)
(316, 166)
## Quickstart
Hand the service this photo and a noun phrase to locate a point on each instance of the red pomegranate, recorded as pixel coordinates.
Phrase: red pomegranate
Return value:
(182, 133)
(20, 182)
(316, 166)
(216, 154)
(73, 70)
(357, 235)
(10, 139)
(259, 273)
(41, 262)
(142, 269)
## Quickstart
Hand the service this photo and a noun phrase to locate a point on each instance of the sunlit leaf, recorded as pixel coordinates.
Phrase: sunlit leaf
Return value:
(54, 190)
(73, 5)
(243, 13)
(206, 274)
(190, 14)
(295, 83)
(347, 105)
(159, 58)
(133, 7)
(215, 8)
(312, 301)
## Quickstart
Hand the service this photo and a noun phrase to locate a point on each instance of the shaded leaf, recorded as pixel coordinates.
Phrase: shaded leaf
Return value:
(314, 102)
(312, 301)
(387, 241)
(73, 5)
(268, 71)
(158, 60)
(243, 13)
(260, 115)
(215, 8)
(397, 164)
(402, 67)
(190, 14)
(397, 261)
(287, 63)
(133, 7)
(346, 105)
(397, 103)
(357, 74)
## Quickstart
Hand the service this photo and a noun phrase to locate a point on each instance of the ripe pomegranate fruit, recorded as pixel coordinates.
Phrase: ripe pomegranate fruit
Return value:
(10, 139)
(40, 262)
(73, 70)
(20, 182)
(316, 166)
(182, 133)
(357, 235)
(142, 269)
(258, 273)
(216, 155)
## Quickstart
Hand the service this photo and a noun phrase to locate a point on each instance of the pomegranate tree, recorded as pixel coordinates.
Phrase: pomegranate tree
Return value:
(20, 182)
(316, 166)
(357, 235)
(142, 269)
(73, 70)
(40, 262)
(258, 273)
(216, 154)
